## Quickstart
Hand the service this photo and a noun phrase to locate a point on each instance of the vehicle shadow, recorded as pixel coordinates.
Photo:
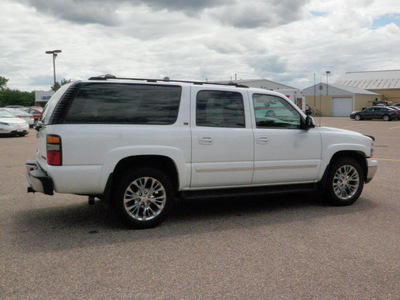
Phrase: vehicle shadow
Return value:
(80, 225)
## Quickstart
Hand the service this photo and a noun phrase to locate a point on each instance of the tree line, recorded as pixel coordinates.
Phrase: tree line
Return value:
(17, 97)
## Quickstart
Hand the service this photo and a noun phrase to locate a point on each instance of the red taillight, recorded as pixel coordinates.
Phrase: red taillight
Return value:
(54, 158)
(54, 150)
(32, 116)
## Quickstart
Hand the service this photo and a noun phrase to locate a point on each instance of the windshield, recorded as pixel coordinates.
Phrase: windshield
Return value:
(18, 111)
(6, 114)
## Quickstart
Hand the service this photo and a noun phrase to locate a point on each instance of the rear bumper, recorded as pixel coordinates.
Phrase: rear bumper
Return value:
(372, 166)
(38, 180)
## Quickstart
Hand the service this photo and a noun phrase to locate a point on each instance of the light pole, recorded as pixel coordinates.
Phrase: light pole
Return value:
(54, 52)
(327, 73)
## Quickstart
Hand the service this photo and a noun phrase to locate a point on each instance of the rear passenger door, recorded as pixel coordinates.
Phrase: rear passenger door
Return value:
(222, 137)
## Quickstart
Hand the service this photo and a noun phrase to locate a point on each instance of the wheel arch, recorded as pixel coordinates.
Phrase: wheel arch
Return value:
(357, 155)
(162, 163)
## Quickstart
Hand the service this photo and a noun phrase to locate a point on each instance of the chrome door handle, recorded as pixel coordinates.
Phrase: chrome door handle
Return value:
(262, 140)
(206, 140)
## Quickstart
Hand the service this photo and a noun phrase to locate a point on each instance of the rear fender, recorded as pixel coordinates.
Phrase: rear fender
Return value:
(114, 156)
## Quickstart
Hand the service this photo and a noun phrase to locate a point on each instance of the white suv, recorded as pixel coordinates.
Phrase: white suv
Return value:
(138, 144)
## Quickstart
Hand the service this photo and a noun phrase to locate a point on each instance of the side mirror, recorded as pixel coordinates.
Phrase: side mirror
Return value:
(38, 126)
(308, 123)
(308, 112)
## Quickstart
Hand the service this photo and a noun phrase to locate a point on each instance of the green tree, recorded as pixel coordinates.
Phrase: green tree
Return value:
(57, 85)
(16, 97)
(3, 83)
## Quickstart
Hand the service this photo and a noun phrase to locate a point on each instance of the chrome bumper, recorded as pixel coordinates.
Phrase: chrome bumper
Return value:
(372, 165)
(37, 179)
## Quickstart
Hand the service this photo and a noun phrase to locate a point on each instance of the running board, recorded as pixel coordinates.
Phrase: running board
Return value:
(252, 191)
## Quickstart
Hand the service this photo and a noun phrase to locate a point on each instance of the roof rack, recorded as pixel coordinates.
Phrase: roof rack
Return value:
(166, 79)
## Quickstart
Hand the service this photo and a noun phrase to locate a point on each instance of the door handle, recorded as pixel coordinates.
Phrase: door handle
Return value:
(262, 140)
(206, 140)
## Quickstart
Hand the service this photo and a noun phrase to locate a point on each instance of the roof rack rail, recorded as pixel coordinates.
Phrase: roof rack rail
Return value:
(103, 77)
(166, 79)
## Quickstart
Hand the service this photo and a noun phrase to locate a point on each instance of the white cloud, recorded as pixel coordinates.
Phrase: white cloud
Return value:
(285, 41)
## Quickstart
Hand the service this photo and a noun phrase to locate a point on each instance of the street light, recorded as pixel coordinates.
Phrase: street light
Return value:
(54, 52)
(327, 73)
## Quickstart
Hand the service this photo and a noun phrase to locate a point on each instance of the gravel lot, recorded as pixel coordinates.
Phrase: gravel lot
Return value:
(292, 247)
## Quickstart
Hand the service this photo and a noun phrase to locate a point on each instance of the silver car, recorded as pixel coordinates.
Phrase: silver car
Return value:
(11, 125)
(29, 118)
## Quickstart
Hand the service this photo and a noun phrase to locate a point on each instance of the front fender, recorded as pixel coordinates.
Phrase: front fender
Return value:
(331, 150)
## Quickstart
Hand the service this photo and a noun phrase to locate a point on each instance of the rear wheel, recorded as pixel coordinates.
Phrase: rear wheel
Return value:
(386, 118)
(345, 182)
(143, 198)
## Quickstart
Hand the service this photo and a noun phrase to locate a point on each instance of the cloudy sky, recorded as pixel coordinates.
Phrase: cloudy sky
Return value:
(287, 41)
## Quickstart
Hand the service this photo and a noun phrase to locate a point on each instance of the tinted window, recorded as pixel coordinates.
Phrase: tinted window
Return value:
(125, 104)
(275, 112)
(220, 109)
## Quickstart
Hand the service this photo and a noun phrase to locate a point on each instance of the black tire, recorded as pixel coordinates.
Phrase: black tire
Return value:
(143, 198)
(345, 182)
(386, 118)
(357, 117)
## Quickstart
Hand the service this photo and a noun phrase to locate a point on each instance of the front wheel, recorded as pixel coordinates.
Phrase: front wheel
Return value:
(357, 117)
(345, 182)
(143, 198)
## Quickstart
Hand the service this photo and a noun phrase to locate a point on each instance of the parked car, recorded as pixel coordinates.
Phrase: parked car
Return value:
(36, 111)
(396, 105)
(15, 106)
(376, 112)
(137, 144)
(11, 125)
(381, 103)
(29, 118)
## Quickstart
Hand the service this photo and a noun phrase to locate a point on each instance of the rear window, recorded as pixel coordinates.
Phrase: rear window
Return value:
(125, 104)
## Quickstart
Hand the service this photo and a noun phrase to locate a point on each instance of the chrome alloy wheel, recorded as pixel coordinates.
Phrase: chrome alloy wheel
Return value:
(346, 182)
(145, 198)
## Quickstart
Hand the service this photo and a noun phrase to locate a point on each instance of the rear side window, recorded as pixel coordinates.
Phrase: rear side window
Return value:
(125, 104)
(220, 109)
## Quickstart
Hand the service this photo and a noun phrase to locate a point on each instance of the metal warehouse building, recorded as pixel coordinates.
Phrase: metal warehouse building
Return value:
(338, 101)
(386, 83)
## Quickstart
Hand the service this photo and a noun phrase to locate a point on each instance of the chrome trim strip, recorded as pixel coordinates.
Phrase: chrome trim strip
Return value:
(287, 167)
(223, 170)
(257, 168)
